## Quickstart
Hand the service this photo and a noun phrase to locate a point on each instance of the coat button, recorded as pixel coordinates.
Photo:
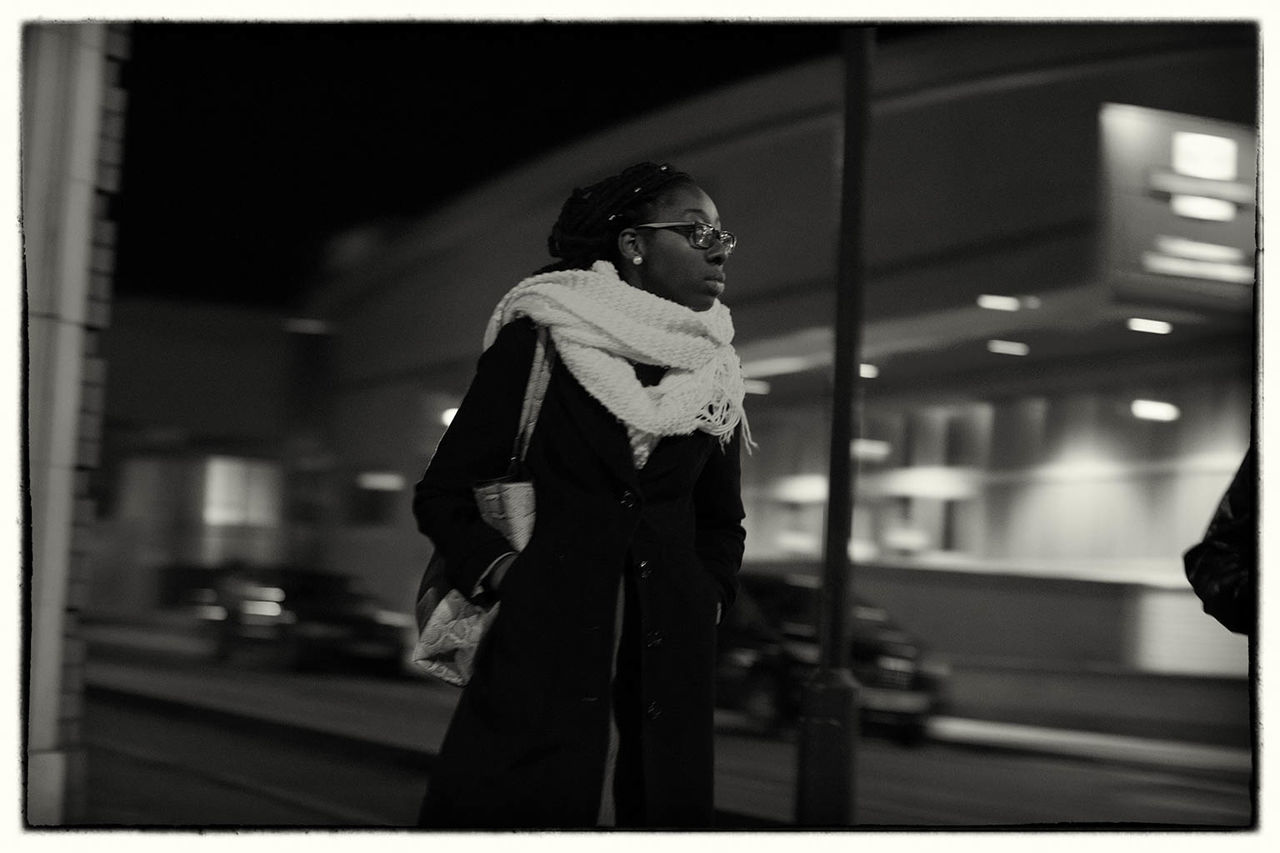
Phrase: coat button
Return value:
(643, 566)
(589, 699)
(653, 711)
(628, 499)
(653, 639)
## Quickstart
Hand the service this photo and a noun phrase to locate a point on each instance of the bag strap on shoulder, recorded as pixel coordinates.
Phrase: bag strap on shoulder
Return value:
(534, 391)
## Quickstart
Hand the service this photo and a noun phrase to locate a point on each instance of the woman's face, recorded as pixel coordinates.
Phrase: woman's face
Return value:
(672, 267)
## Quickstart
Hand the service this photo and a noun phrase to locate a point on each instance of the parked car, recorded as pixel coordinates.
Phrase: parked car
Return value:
(768, 646)
(300, 617)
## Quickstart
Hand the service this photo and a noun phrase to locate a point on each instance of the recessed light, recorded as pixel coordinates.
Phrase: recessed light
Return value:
(1154, 410)
(994, 302)
(1204, 155)
(1202, 207)
(1190, 268)
(755, 386)
(1153, 327)
(1008, 347)
(868, 371)
(1200, 251)
(380, 481)
(870, 449)
(446, 417)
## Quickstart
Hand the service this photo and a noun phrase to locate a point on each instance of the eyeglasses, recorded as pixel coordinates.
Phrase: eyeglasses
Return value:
(700, 234)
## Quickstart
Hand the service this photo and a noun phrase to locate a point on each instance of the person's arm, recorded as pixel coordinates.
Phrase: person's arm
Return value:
(1222, 566)
(718, 506)
(477, 446)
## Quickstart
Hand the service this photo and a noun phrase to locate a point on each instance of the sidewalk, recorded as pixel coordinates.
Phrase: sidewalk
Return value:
(1104, 739)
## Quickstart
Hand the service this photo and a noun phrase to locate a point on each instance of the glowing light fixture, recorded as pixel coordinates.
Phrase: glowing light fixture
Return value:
(1202, 207)
(868, 371)
(260, 608)
(1197, 250)
(266, 593)
(801, 489)
(1203, 155)
(776, 366)
(1008, 347)
(380, 481)
(446, 417)
(992, 302)
(1191, 268)
(870, 449)
(755, 386)
(1153, 327)
(1154, 410)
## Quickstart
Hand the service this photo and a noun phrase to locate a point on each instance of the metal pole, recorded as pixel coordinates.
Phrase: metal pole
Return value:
(829, 706)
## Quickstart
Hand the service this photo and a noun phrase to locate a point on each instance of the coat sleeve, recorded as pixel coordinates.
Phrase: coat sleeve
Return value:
(476, 446)
(1222, 566)
(718, 508)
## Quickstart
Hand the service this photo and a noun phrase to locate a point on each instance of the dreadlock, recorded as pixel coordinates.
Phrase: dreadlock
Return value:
(591, 218)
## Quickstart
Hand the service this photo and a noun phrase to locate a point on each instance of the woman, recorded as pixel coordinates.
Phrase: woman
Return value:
(600, 663)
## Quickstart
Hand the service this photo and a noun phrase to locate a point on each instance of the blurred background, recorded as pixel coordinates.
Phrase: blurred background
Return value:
(259, 261)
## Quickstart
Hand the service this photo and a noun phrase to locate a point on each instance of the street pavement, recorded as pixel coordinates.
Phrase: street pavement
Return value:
(323, 710)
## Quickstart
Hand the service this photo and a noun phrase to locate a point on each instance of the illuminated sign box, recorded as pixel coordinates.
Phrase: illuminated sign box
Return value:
(1178, 208)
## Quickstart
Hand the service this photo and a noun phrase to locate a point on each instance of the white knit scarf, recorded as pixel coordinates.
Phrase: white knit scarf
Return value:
(601, 326)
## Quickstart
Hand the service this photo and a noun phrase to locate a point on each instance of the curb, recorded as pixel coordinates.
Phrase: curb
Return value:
(1096, 746)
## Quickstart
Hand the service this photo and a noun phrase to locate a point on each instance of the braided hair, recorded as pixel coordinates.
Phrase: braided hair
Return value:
(592, 217)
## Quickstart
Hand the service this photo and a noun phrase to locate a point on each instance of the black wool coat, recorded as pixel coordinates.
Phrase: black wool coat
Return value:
(528, 741)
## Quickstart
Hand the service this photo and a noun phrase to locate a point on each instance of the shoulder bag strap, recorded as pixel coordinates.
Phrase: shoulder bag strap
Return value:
(534, 391)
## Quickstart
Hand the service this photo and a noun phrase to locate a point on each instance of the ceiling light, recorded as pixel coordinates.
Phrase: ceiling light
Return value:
(1201, 207)
(755, 386)
(870, 449)
(1202, 155)
(1007, 347)
(801, 489)
(868, 371)
(1196, 250)
(1190, 268)
(1154, 327)
(776, 366)
(446, 417)
(380, 481)
(992, 302)
(1154, 410)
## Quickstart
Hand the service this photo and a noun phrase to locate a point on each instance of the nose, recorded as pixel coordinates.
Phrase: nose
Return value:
(716, 253)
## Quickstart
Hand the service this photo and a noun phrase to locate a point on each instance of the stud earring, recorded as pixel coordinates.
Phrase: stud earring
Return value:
(637, 260)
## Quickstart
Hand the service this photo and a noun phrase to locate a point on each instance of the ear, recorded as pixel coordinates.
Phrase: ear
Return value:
(629, 245)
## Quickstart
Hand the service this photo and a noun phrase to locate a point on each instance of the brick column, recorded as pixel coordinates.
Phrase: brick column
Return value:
(72, 133)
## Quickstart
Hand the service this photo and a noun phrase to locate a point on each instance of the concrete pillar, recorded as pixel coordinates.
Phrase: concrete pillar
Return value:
(69, 250)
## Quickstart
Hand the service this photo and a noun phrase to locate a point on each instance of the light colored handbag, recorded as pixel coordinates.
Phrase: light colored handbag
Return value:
(450, 625)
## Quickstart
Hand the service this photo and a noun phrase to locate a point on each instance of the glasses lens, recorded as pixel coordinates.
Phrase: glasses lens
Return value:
(728, 241)
(701, 235)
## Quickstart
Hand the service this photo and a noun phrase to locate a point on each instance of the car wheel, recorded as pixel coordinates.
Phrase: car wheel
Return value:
(290, 653)
(760, 703)
(222, 644)
(912, 731)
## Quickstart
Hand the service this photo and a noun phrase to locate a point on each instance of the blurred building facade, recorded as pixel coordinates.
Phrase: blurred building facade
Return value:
(213, 421)
(1007, 467)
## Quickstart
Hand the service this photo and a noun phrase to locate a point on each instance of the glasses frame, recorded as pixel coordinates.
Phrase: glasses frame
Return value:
(727, 240)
